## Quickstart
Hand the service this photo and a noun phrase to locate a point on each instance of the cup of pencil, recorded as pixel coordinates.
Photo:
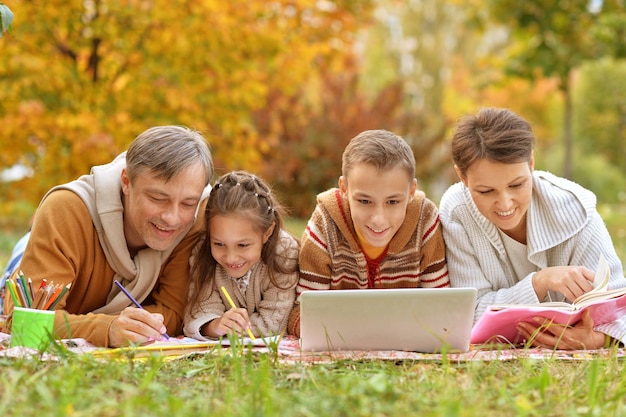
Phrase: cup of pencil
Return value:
(33, 313)
(32, 328)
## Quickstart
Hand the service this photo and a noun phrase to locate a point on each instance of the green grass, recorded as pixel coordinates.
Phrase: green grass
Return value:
(233, 383)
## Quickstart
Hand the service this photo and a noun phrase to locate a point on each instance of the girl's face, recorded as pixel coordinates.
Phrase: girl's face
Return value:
(502, 193)
(236, 243)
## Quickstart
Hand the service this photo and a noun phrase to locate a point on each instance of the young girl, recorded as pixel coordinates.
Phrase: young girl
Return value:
(246, 251)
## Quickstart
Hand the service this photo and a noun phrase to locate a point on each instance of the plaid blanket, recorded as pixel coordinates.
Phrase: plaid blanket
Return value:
(289, 352)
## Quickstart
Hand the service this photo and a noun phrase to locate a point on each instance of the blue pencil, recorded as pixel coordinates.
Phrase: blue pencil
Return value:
(131, 298)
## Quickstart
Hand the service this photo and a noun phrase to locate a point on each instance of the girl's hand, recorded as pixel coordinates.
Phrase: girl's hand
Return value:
(544, 334)
(571, 281)
(234, 320)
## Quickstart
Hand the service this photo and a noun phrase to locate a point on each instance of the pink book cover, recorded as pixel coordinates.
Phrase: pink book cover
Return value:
(498, 325)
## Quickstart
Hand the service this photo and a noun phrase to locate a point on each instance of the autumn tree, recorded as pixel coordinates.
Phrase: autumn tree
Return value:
(600, 95)
(82, 79)
(396, 79)
(551, 39)
(414, 44)
(313, 130)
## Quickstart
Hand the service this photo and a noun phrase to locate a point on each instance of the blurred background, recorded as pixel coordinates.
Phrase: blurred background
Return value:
(279, 87)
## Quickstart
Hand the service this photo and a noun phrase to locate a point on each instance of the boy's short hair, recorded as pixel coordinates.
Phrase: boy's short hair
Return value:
(166, 151)
(379, 148)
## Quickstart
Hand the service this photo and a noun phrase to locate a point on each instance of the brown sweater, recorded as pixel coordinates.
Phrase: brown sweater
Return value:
(64, 248)
(331, 256)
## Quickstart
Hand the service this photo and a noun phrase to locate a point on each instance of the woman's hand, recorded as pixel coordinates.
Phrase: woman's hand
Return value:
(571, 281)
(542, 333)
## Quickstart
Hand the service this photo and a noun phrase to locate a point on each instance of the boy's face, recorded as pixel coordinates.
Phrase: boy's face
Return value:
(378, 201)
(157, 212)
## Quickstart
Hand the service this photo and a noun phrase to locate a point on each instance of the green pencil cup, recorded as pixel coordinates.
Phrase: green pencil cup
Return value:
(32, 328)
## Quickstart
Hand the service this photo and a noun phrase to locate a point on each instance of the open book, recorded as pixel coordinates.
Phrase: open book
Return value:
(498, 322)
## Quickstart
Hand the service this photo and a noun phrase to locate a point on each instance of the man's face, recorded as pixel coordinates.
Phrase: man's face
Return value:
(157, 212)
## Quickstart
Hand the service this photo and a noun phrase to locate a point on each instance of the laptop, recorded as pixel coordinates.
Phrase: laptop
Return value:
(427, 320)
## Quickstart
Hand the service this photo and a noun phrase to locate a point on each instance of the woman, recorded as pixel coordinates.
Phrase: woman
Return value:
(523, 236)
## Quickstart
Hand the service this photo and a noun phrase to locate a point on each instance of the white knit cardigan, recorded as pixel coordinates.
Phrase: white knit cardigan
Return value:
(564, 228)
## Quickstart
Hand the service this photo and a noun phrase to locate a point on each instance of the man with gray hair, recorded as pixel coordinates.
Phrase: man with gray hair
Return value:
(133, 220)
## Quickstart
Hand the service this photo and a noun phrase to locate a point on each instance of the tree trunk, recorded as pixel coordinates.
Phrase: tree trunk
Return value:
(567, 128)
(621, 130)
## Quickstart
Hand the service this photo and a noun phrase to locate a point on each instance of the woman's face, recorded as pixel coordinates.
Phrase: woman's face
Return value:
(502, 193)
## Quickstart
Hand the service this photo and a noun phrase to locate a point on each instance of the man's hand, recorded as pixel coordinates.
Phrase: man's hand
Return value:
(542, 333)
(137, 326)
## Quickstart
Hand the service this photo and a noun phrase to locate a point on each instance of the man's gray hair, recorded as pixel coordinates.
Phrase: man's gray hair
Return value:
(166, 151)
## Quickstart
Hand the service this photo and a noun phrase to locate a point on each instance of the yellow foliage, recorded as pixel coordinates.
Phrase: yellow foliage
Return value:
(82, 79)
(533, 100)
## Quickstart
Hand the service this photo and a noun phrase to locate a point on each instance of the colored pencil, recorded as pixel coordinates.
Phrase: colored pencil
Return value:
(53, 296)
(10, 285)
(60, 296)
(46, 293)
(30, 288)
(132, 299)
(232, 304)
(20, 292)
(39, 296)
(22, 278)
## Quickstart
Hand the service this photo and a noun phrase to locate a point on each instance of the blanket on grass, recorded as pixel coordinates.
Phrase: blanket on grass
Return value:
(288, 352)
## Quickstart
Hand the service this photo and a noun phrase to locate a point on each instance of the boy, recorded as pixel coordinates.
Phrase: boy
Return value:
(376, 230)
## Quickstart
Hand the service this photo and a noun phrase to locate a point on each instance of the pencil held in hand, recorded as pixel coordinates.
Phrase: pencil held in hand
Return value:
(132, 299)
(232, 304)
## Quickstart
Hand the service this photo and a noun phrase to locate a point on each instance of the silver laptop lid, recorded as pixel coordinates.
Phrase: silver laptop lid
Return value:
(411, 319)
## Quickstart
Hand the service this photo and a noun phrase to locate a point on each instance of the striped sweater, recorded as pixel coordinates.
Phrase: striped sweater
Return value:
(563, 228)
(331, 257)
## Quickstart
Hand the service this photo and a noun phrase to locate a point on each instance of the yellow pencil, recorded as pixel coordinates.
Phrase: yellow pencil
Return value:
(232, 304)
(11, 286)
